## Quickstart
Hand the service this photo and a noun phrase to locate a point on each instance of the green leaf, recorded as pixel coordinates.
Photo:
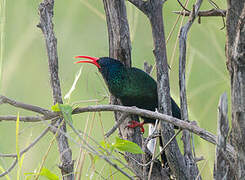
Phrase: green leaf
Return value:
(66, 110)
(128, 146)
(48, 174)
(45, 172)
(55, 108)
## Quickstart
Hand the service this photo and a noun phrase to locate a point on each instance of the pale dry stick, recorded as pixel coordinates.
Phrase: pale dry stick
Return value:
(93, 9)
(80, 155)
(199, 174)
(168, 38)
(85, 139)
(176, 41)
(99, 145)
(149, 162)
(89, 100)
(48, 150)
(90, 149)
(157, 126)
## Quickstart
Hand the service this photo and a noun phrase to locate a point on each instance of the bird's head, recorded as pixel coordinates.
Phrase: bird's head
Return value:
(101, 63)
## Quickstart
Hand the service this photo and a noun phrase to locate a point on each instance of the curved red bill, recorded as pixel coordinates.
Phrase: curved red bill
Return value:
(93, 60)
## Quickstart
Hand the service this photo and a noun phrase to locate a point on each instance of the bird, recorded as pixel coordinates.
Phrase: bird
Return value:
(133, 87)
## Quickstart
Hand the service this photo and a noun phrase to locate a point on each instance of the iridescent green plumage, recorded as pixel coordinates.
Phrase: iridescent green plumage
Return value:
(132, 86)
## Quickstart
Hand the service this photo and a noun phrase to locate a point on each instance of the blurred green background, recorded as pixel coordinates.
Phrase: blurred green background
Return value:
(80, 28)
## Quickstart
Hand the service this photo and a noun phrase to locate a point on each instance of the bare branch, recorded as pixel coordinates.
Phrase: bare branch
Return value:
(23, 118)
(46, 25)
(207, 13)
(192, 127)
(29, 107)
(191, 168)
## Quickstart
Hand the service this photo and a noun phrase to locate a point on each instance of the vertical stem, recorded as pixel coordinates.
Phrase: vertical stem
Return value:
(46, 25)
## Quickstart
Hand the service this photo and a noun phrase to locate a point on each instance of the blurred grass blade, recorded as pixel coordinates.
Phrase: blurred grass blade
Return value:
(2, 36)
(17, 143)
(17, 136)
(73, 87)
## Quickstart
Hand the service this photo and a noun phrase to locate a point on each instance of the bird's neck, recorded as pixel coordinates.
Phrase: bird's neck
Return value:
(113, 77)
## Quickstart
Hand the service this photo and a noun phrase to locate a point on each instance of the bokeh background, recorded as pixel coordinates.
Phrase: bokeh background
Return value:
(80, 28)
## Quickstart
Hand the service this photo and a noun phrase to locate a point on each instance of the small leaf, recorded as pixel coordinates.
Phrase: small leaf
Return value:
(66, 111)
(128, 146)
(55, 108)
(45, 172)
(48, 174)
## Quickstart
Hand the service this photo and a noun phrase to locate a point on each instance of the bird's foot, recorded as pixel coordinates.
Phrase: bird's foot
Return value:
(134, 124)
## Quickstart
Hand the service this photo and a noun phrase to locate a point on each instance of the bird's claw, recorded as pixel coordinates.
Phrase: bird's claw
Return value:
(134, 124)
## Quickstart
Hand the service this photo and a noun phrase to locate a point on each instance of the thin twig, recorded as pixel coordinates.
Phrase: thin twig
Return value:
(106, 159)
(207, 13)
(21, 152)
(10, 168)
(183, 6)
(28, 147)
(118, 123)
(152, 160)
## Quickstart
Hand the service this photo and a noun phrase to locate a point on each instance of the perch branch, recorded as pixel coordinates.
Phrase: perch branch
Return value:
(192, 127)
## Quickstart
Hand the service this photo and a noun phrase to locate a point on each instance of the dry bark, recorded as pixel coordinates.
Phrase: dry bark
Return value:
(235, 52)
